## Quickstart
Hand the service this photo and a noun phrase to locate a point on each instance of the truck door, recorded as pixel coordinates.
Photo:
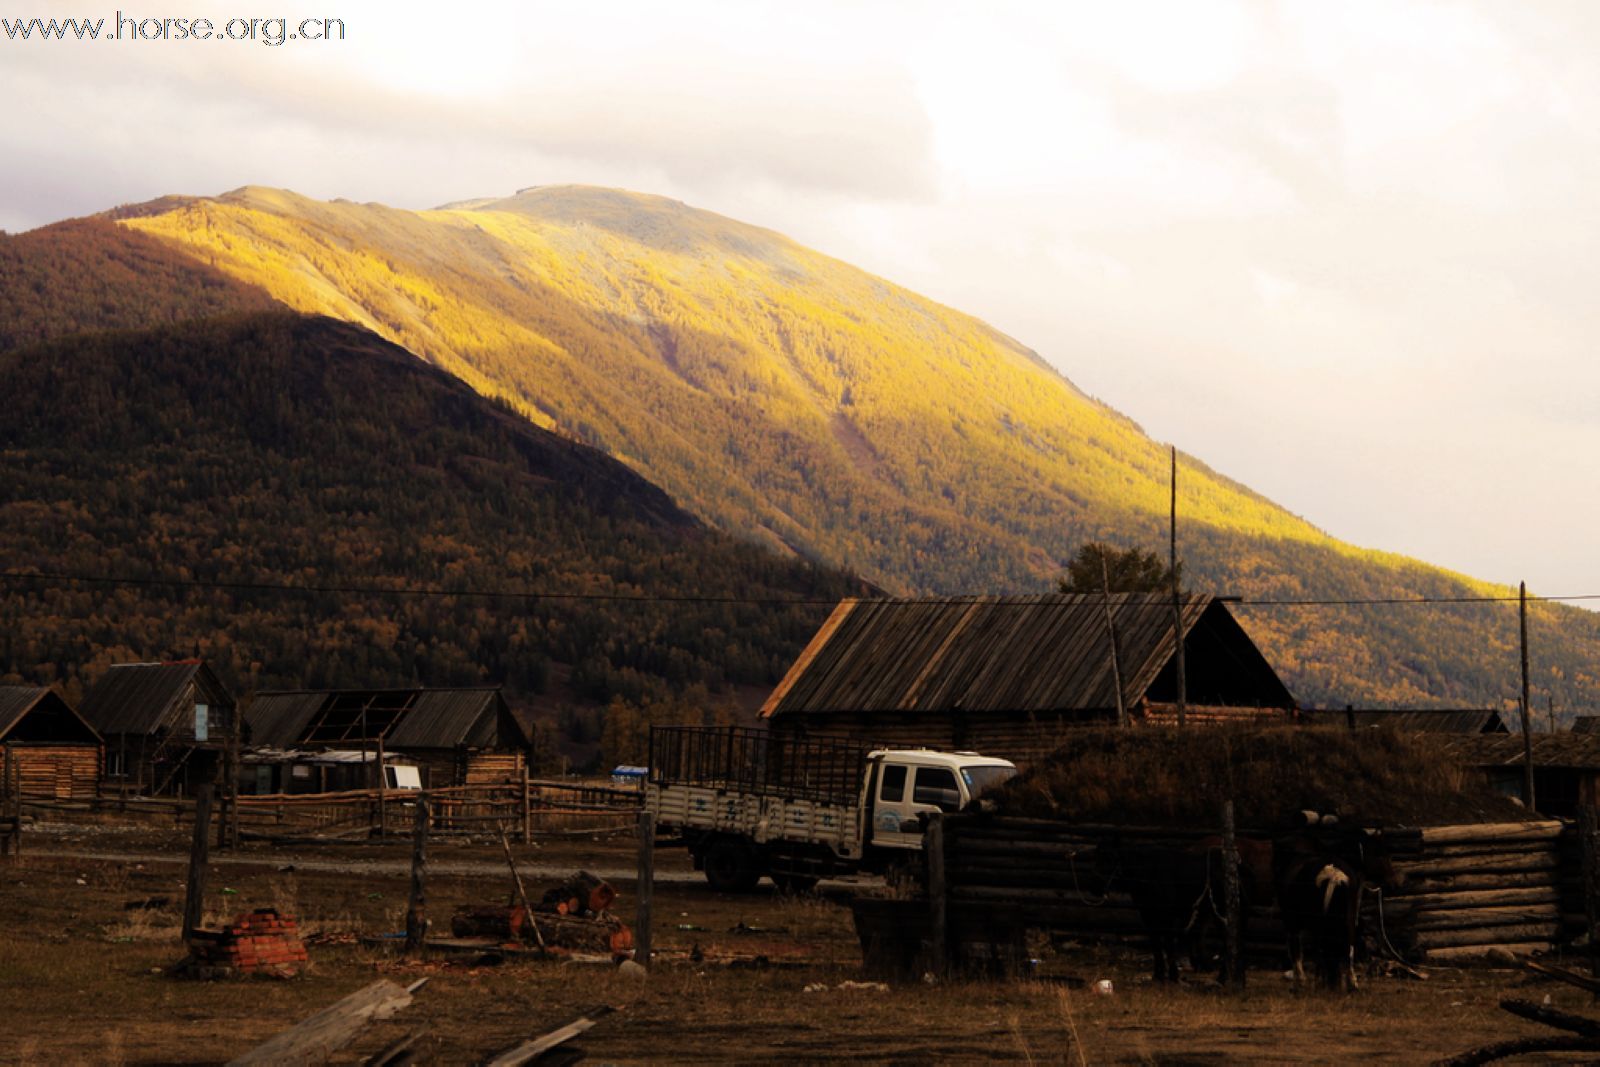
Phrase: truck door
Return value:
(893, 808)
(904, 793)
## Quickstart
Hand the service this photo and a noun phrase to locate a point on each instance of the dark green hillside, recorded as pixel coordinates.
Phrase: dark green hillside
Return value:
(309, 451)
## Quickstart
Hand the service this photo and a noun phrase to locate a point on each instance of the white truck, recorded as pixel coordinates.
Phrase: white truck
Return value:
(748, 803)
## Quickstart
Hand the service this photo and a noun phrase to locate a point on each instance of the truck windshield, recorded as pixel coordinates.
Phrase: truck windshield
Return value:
(982, 779)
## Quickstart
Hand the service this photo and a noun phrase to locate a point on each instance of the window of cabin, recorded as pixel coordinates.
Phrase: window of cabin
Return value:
(202, 715)
(894, 784)
(116, 764)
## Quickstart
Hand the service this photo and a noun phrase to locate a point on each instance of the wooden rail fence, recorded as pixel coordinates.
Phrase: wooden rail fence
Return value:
(523, 809)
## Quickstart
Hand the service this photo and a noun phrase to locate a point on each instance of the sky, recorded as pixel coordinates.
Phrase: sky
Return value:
(1342, 252)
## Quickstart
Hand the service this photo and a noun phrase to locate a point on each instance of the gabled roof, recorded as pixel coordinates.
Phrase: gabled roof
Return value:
(1046, 653)
(405, 718)
(139, 698)
(48, 714)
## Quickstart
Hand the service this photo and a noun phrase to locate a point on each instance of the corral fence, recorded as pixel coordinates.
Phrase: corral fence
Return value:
(1463, 890)
(524, 809)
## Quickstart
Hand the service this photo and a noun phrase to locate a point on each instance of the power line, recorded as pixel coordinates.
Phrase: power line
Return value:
(657, 598)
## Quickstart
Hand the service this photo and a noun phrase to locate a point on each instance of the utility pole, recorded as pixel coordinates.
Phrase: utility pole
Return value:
(1177, 604)
(1527, 711)
(1111, 635)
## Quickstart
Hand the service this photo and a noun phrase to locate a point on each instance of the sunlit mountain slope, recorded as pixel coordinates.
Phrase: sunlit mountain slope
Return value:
(788, 397)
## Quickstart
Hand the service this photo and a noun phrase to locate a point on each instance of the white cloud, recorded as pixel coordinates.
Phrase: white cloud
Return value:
(1343, 251)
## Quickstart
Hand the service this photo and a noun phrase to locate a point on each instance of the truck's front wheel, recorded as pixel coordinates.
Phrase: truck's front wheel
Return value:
(730, 867)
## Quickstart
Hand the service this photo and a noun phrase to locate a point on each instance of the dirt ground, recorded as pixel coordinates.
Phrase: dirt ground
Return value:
(81, 975)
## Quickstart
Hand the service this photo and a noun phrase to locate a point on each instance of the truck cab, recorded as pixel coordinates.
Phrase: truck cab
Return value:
(905, 784)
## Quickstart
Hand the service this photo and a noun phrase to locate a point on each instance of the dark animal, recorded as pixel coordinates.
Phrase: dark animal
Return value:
(1320, 872)
(1255, 890)
(1179, 891)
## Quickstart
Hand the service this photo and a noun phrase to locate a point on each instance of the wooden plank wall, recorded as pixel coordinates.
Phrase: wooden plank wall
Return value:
(57, 772)
(486, 768)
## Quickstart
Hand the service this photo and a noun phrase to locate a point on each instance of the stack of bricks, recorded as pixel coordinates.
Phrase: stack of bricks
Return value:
(256, 942)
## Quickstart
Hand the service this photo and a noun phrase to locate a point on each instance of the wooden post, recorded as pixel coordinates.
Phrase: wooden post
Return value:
(527, 806)
(416, 913)
(938, 895)
(383, 791)
(1177, 601)
(195, 890)
(1350, 717)
(14, 831)
(1589, 849)
(647, 877)
(1527, 712)
(1111, 637)
(1233, 910)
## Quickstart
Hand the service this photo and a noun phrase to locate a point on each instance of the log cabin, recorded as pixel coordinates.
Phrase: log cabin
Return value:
(1005, 675)
(47, 750)
(464, 736)
(155, 718)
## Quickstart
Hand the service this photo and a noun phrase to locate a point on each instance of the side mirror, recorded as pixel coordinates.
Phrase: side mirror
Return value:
(911, 826)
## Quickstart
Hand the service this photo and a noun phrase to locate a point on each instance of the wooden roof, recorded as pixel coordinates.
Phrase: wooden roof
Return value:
(140, 698)
(1425, 720)
(38, 713)
(1045, 653)
(474, 717)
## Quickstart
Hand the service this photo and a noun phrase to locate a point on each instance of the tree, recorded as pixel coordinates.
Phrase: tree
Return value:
(1131, 570)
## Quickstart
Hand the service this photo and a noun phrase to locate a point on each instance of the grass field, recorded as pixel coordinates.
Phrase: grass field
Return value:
(81, 981)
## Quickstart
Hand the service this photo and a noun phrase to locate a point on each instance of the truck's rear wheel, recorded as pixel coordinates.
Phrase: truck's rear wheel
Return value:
(730, 868)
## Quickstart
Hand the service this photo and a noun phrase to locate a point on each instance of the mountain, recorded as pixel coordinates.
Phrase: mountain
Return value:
(278, 448)
(789, 398)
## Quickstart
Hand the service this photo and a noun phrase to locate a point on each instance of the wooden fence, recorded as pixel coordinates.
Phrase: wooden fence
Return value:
(522, 809)
(1465, 889)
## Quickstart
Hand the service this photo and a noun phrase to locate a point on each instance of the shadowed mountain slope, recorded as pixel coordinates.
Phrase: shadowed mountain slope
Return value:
(791, 399)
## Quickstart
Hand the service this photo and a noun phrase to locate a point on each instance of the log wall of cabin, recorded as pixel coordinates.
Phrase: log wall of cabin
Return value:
(55, 772)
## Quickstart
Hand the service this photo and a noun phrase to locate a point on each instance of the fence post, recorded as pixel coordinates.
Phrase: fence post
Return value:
(527, 806)
(1589, 849)
(383, 791)
(647, 876)
(1233, 918)
(416, 919)
(938, 893)
(195, 889)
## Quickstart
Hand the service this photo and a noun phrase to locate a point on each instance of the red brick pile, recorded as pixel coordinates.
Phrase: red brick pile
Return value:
(256, 942)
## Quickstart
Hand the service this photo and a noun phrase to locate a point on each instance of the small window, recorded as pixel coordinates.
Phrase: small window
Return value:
(894, 783)
(937, 786)
(116, 764)
(202, 714)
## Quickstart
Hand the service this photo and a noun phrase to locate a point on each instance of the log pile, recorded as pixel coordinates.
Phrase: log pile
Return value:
(1467, 890)
(603, 934)
(1472, 889)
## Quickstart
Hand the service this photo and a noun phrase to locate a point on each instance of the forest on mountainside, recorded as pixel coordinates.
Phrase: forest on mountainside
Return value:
(283, 449)
(791, 399)
(86, 275)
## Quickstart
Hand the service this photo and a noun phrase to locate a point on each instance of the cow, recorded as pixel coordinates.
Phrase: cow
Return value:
(1320, 872)
(1178, 891)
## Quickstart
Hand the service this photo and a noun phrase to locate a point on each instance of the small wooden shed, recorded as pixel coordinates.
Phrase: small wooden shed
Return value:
(154, 717)
(1004, 675)
(49, 750)
(459, 736)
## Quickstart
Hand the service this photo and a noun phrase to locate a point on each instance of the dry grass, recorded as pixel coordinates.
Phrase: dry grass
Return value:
(58, 969)
(1165, 776)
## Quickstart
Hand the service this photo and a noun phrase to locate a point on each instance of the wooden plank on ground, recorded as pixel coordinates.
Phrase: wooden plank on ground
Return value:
(537, 1046)
(318, 1037)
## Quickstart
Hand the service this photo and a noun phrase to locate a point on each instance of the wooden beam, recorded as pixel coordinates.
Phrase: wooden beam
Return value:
(315, 1039)
(195, 888)
(416, 907)
(535, 1047)
(645, 889)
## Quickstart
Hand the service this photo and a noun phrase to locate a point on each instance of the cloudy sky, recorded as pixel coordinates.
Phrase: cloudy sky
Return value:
(1342, 251)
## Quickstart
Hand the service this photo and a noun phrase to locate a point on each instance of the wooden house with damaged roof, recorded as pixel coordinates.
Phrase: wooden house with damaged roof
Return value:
(156, 718)
(456, 736)
(47, 750)
(1005, 675)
